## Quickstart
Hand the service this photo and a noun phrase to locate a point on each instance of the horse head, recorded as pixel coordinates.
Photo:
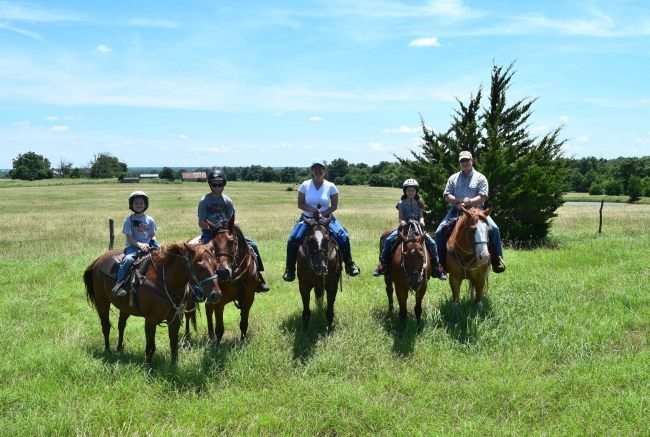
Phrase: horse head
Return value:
(224, 246)
(415, 258)
(200, 266)
(472, 234)
(316, 246)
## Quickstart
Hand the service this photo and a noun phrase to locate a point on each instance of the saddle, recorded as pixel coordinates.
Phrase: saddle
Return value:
(139, 267)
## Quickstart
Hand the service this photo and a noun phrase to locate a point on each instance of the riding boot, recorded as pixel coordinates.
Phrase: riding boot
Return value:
(263, 286)
(441, 273)
(498, 266)
(350, 267)
(380, 270)
(292, 255)
(119, 289)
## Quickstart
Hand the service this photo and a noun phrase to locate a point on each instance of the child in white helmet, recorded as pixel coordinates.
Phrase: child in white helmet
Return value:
(140, 232)
(410, 207)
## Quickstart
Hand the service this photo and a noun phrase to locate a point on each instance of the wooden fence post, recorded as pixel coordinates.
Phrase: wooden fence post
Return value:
(111, 233)
(600, 223)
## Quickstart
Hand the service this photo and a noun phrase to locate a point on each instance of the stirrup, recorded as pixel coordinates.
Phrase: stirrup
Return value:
(119, 290)
(352, 269)
(379, 271)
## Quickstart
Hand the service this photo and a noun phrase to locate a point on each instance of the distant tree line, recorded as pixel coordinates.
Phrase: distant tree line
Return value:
(620, 176)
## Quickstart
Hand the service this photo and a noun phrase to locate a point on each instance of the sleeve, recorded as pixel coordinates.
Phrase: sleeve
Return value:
(482, 186)
(450, 187)
(127, 228)
(230, 207)
(398, 205)
(154, 227)
(303, 187)
(333, 190)
(202, 210)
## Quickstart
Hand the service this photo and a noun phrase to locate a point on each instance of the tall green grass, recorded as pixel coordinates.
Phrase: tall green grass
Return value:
(560, 346)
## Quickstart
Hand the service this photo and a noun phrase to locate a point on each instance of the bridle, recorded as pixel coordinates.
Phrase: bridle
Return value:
(414, 231)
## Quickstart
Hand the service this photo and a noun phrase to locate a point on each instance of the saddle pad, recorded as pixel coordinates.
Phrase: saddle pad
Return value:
(110, 265)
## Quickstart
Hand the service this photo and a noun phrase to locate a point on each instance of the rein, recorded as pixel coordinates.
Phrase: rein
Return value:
(419, 233)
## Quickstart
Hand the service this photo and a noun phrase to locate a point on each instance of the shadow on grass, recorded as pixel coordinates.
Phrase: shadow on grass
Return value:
(189, 378)
(305, 338)
(461, 321)
(403, 332)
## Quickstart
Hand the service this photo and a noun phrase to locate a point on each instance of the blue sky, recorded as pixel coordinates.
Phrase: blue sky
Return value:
(283, 83)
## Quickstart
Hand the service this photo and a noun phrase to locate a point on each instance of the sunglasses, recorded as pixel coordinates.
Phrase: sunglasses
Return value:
(462, 161)
(217, 184)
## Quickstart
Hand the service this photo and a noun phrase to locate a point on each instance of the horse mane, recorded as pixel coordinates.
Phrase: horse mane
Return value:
(462, 223)
(168, 251)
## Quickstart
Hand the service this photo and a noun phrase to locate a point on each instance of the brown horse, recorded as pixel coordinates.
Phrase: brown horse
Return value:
(162, 295)
(467, 253)
(410, 269)
(237, 282)
(319, 268)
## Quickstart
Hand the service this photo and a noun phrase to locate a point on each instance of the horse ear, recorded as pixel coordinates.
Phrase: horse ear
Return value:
(188, 248)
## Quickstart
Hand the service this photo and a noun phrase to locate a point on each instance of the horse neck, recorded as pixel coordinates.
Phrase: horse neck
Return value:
(174, 267)
(460, 237)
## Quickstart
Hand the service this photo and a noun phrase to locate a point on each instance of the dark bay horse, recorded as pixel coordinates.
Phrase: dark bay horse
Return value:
(410, 269)
(162, 296)
(319, 267)
(237, 281)
(467, 253)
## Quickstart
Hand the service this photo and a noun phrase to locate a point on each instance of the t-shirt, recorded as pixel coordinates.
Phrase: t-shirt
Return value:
(461, 186)
(318, 196)
(141, 227)
(409, 209)
(216, 208)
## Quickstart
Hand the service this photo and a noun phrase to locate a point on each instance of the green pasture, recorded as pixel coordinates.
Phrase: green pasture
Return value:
(559, 348)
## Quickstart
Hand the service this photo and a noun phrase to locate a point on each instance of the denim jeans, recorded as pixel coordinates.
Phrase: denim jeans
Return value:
(130, 254)
(339, 233)
(386, 248)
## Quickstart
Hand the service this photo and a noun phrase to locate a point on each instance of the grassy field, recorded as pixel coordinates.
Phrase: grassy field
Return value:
(586, 197)
(561, 346)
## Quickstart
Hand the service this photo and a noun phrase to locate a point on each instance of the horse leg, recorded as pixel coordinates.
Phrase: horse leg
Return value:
(209, 310)
(173, 327)
(150, 335)
(454, 283)
(103, 305)
(331, 298)
(218, 318)
(402, 294)
(389, 291)
(419, 296)
(120, 329)
(479, 286)
(305, 293)
(246, 304)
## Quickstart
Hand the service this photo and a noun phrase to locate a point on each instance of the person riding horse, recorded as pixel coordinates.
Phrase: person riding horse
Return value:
(465, 189)
(215, 209)
(410, 207)
(318, 195)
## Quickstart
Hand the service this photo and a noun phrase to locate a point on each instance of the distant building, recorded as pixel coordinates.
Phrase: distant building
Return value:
(129, 179)
(194, 176)
(149, 176)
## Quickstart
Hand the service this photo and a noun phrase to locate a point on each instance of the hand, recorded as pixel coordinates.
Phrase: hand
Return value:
(143, 247)
(467, 201)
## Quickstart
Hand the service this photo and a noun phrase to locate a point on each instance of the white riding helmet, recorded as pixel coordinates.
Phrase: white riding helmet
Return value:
(137, 194)
(410, 183)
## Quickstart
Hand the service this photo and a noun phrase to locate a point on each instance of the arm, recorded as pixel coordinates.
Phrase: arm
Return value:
(302, 205)
(334, 205)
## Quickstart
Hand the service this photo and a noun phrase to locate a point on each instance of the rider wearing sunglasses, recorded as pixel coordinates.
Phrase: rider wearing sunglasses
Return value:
(215, 209)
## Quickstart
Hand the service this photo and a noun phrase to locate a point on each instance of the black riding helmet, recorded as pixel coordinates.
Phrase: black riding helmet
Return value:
(216, 174)
(137, 194)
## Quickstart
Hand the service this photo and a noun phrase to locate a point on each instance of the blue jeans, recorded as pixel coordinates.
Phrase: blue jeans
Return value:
(207, 235)
(447, 225)
(389, 241)
(339, 233)
(130, 254)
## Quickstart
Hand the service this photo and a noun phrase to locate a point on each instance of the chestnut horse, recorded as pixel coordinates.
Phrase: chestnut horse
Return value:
(161, 296)
(319, 267)
(410, 269)
(237, 282)
(467, 253)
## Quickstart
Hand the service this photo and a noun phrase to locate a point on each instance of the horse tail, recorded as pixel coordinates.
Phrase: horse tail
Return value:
(88, 281)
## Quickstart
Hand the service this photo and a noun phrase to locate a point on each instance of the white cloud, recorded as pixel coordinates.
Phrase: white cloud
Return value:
(60, 128)
(212, 149)
(103, 49)
(425, 42)
(564, 119)
(377, 147)
(20, 31)
(402, 130)
(454, 9)
(153, 23)
(183, 137)
(32, 13)
(316, 118)
(582, 139)
(51, 118)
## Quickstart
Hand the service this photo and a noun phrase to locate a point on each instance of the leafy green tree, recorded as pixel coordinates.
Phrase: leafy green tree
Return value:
(527, 175)
(167, 173)
(613, 187)
(645, 186)
(337, 169)
(597, 188)
(105, 165)
(75, 173)
(634, 188)
(288, 174)
(30, 166)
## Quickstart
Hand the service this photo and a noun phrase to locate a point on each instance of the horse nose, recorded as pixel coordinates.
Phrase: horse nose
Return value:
(223, 274)
(214, 296)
